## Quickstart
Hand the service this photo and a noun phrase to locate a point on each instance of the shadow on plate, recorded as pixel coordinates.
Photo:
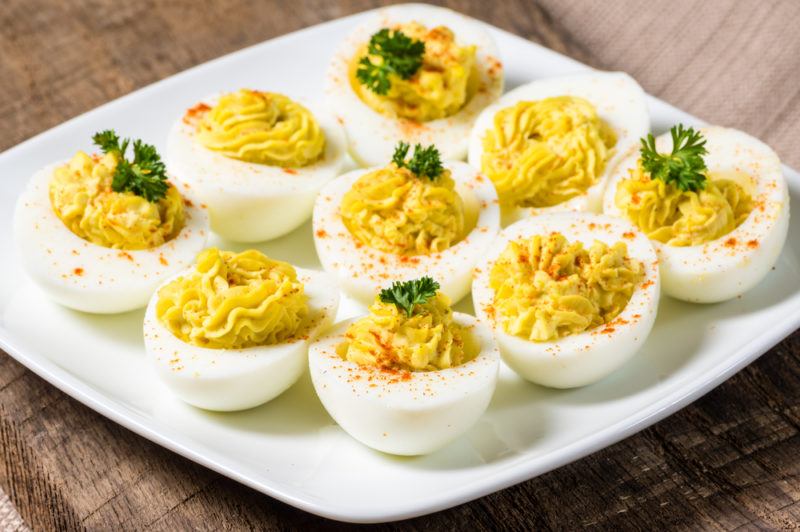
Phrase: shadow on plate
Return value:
(296, 248)
(295, 411)
(31, 313)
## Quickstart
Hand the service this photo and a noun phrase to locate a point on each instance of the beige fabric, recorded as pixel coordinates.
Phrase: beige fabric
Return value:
(10, 521)
(733, 63)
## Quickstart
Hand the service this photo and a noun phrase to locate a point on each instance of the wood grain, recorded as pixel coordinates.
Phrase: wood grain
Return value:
(728, 461)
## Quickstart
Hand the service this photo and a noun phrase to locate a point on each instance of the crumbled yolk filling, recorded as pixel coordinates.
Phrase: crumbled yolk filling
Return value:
(547, 288)
(234, 300)
(395, 211)
(81, 196)
(678, 217)
(545, 152)
(447, 79)
(262, 127)
(388, 339)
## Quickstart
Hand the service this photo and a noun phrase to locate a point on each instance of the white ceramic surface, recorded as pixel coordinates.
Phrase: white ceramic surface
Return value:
(290, 448)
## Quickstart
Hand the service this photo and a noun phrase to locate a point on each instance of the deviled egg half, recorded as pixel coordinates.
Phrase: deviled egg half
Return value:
(713, 201)
(232, 332)
(256, 159)
(409, 377)
(570, 296)
(416, 73)
(416, 216)
(550, 145)
(99, 233)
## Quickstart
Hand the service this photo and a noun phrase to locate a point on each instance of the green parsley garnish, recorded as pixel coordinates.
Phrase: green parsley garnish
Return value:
(426, 162)
(396, 53)
(145, 176)
(409, 293)
(685, 166)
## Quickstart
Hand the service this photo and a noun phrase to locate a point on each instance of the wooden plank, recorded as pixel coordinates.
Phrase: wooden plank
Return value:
(727, 461)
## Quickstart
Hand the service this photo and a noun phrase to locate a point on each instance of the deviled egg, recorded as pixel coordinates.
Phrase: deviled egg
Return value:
(550, 145)
(570, 296)
(416, 216)
(256, 159)
(713, 201)
(409, 377)
(99, 233)
(232, 332)
(415, 73)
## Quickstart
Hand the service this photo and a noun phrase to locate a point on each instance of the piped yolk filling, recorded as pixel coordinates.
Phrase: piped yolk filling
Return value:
(395, 211)
(445, 82)
(388, 339)
(546, 288)
(545, 152)
(233, 301)
(682, 218)
(81, 196)
(262, 127)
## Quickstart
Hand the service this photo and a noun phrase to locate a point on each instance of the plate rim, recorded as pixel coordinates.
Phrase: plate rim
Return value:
(515, 471)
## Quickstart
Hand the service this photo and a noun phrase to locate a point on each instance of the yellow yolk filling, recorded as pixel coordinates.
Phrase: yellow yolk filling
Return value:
(548, 288)
(81, 196)
(262, 127)
(545, 152)
(444, 83)
(395, 211)
(682, 218)
(234, 300)
(388, 339)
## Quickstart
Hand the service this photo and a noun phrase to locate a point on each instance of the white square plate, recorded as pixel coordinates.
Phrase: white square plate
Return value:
(289, 448)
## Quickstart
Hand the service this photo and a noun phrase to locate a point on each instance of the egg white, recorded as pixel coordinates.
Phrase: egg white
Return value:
(583, 358)
(237, 379)
(372, 135)
(363, 271)
(407, 416)
(250, 202)
(84, 276)
(619, 101)
(736, 262)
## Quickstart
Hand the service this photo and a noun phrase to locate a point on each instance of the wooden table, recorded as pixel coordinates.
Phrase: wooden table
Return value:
(727, 461)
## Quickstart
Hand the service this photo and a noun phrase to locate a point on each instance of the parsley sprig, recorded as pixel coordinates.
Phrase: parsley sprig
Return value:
(405, 295)
(426, 162)
(145, 175)
(394, 52)
(684, 167)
